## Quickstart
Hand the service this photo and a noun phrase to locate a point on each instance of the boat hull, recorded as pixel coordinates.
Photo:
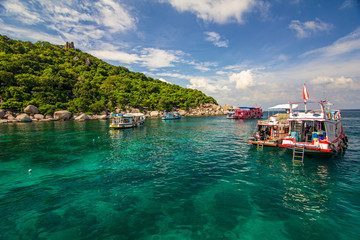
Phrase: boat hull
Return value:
(122, 126)
(165, 118)
(264, 143)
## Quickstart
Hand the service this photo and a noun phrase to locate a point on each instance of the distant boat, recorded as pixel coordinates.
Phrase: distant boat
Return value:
(248, 113)
(127, 120)
(316, 130)
(231, 113)
(271, 131)
(171, 116)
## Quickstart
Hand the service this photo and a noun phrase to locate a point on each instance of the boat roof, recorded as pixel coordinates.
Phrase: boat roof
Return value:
(249, 107)
(284, 106)
(133, 115)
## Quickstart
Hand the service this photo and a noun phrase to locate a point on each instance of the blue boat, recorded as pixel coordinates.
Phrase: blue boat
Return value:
(171, 116)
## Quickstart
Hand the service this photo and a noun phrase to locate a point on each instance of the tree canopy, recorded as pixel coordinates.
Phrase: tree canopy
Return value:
(54, 78)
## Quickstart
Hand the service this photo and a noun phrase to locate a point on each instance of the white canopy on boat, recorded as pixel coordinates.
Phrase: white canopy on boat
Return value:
(284, 106)
(134, 115)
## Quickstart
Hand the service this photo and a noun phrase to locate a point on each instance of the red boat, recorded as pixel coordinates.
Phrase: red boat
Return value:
(248, 113)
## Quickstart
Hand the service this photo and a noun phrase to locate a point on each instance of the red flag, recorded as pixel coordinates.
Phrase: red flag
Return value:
(305, 93)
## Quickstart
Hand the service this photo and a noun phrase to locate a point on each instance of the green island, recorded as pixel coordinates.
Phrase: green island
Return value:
(56, 77)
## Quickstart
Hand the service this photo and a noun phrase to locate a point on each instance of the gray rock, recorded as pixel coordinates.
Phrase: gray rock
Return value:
(23, 118)
(83, 116)
(39, 116)
(62, 115)
(31, 109)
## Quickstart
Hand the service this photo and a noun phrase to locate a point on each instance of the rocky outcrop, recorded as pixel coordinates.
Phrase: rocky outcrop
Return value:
(205, 110)
(62, 115)
(31, 109)
(31, 115)
(69, 45)
(87, 61)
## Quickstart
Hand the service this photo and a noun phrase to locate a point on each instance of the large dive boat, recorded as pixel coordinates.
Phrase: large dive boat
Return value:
(271, 131)
(315, 130)
(248, 113)
(127, 120)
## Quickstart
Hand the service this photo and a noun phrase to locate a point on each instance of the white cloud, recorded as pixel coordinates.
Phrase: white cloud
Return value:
(114, 16)
(122, 57)
(243, 80)
(176, 75)
(347, 44)
(163, 80)
(158, 58)
(219, 11)
(305, 29)
(149, 57)
(29, 34)
(206, 85)
(75, 20)
(216, 39)
(346, 4)
(22, 11)
(340, 82)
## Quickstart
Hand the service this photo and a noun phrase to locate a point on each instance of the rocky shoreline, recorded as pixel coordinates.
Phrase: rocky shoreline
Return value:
(31, 114)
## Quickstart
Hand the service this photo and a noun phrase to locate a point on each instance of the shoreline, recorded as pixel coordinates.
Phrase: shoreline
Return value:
(31, 114)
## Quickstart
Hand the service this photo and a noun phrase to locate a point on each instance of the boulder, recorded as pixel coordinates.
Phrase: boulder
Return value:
(62, 115)
(9, 116)
(154, 114)
(23, 118)
(2, 113)
(82, 117)
(135, 110)
(39, 116)
(31, 109)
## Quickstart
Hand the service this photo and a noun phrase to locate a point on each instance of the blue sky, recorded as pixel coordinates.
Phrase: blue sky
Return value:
(241, 52)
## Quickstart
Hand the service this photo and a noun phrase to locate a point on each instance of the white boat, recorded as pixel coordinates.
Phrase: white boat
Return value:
(315, 130)
(127, 120)
(171, 116)
(271, 131)
(231, 113)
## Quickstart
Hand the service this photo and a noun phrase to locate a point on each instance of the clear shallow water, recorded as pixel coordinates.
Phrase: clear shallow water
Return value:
(194, 178)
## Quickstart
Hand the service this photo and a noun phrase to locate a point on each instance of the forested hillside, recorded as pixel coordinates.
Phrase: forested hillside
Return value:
(53, 77)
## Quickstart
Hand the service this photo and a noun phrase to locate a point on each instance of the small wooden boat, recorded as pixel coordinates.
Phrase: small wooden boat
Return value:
(171, 116)
(127, 120)
(271, 131)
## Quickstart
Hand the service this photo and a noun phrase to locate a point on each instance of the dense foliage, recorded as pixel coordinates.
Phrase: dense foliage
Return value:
(54, 78)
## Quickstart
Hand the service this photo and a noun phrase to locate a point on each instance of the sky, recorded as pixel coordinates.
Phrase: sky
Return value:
(241, 52)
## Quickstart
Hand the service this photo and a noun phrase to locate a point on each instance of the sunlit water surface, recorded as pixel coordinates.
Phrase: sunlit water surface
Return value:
(194, 178)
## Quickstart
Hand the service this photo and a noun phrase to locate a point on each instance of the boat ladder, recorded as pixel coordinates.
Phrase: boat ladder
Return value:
(298, 154)
(260, 145)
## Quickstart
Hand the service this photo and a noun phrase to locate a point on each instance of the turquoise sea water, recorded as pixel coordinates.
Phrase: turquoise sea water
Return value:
(194, 178)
